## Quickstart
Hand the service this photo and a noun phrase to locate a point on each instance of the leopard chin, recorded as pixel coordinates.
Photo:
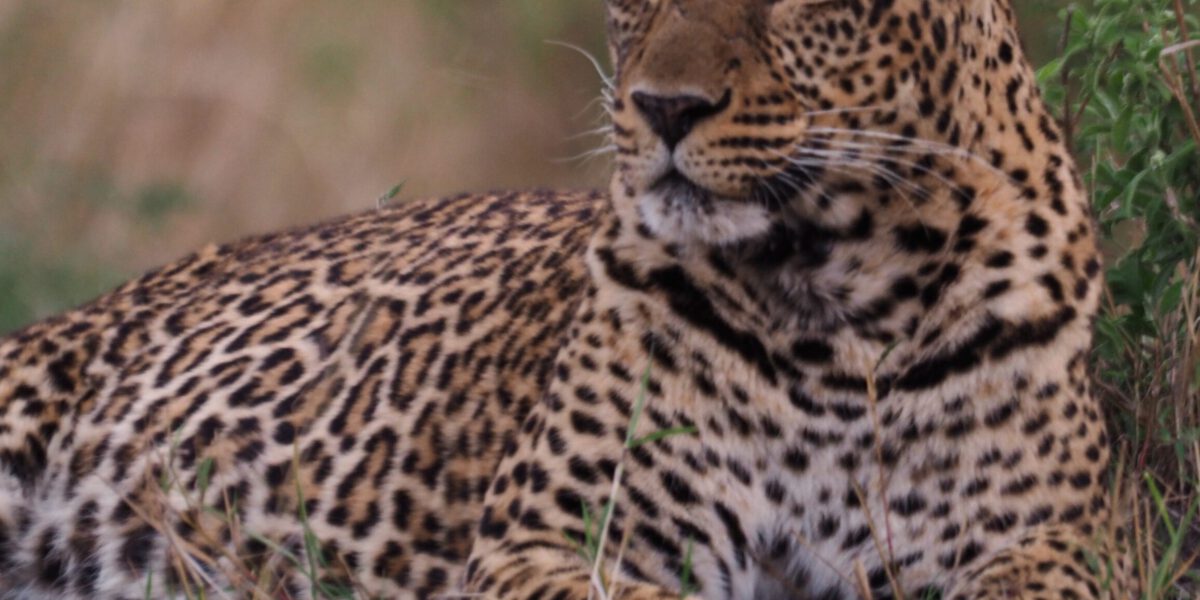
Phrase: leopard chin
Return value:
(678, 211)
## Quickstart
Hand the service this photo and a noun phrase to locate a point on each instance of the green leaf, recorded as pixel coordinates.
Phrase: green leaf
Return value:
(1050, 70)
(1172, 296)
(391, 194)
(1130, 192)
(686, 586)
(202, 474)
(638, 405)
(1120, 129)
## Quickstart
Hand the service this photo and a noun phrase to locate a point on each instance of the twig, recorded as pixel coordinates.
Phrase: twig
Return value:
(1187, 52)
(873, 406)
(1175, 82)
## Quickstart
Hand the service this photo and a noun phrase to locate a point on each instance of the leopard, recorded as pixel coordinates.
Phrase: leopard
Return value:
(826, 336)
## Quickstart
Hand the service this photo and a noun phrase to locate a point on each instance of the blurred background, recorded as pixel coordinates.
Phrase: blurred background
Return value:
(132, 132)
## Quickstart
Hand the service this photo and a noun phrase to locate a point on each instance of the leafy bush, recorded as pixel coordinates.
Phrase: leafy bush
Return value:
(1127, 85)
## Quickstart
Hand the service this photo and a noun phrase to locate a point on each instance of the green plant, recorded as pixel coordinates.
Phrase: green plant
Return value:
(596, 532)
(1127, 86)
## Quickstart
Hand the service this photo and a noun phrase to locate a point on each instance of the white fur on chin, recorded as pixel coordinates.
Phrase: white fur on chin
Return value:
(725, 222)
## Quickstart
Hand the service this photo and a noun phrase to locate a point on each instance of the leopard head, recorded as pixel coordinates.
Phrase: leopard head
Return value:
(732, 116)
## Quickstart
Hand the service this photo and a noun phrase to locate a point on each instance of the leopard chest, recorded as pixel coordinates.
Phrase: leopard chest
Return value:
(787, 486)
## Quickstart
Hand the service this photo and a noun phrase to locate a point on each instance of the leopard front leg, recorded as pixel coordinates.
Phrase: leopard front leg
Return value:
(1049, 564)
(546, 502)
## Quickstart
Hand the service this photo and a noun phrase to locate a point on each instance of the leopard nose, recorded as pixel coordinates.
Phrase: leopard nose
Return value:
(674, 117)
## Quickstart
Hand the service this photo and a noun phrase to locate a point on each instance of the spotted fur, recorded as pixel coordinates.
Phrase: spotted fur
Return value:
(846, 254)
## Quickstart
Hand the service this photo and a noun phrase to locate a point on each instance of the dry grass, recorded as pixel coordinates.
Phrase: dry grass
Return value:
(1162, 480)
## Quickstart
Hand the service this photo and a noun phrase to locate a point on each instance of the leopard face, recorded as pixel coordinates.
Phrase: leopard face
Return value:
(732, 116)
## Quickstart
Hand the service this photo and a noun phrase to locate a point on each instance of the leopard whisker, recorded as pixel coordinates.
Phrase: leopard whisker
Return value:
(844, 111)
(588, 155)
(898, 149)
(825, 161)
(791, 180)
(901, 139)
(954, 187)
(933, 146)
(876, 168)
(907, 163)
(605, 102)
(604, 130)
(607, 79)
